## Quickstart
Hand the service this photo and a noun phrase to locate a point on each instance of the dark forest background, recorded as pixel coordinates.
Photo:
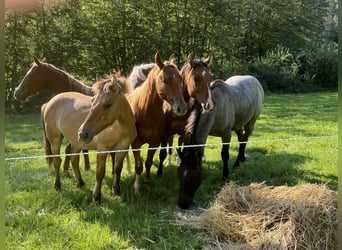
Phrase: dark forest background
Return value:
(289, 45)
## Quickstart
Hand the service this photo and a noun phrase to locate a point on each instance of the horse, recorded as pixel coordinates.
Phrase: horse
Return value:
(43, 76)
(238, 104)
(196, 78)
(103, 122)
(139, 74)
(163, 83)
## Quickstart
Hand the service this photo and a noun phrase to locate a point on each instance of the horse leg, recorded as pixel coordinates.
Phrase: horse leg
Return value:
(57, 162)
(128, 163)
(67, 160)
(86, 160)
(225, 155)
(138, 168)
(112, 156)
(100, 173)
(75, 162)
(162, 156)
(243, 138)
(119, 158)
(55, 150)
(180, 143)
(148, 164)
(169, 155)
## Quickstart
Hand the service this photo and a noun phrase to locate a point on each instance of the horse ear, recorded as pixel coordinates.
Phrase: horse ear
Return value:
(191, 60)
(44, 60)
(208, 60)
(98, 77)
(158, 60)
(36, 60)
(173, 59)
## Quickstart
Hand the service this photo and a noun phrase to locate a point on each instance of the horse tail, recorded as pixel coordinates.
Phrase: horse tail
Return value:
(47, 144)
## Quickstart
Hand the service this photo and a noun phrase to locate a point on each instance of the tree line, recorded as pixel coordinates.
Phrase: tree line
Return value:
(287, 44)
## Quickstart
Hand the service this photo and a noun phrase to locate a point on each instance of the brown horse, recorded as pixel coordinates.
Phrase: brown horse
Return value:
(196, 78)
(162, 83)
(103, 122)
(43, 76)
(196, 87)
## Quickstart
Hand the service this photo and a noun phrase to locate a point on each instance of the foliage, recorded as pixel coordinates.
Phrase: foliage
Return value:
(86, 38)
(38, 217)
(311, 69)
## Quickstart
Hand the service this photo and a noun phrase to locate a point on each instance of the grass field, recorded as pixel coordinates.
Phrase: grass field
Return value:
(38, 217)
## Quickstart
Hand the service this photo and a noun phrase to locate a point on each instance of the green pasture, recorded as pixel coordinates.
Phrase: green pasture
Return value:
(289, 146)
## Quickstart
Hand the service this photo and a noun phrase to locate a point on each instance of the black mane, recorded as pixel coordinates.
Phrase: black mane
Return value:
(192, 123)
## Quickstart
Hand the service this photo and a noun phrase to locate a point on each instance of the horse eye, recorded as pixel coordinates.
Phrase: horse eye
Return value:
(107, 105)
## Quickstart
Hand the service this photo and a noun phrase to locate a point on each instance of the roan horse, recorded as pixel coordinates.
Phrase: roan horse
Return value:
(238, 104)
(162, 83)
(103, 122)
(43, 76)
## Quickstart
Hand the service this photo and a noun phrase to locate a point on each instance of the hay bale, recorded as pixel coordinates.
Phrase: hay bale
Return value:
(262, 217)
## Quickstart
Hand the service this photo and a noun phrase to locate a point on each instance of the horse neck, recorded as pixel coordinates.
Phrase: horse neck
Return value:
(63, 82)
(191, 128)
(148, 98)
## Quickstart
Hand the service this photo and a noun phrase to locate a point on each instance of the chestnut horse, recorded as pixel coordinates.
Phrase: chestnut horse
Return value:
(43, 76)
(162, 83)
(103, 122)
(238, 104)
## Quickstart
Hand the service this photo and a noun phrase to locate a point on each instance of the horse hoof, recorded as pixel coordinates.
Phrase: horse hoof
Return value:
(159, 173)
(146, 181)
(97, 200)
(116, 191)
(80, 184)
(58, 187)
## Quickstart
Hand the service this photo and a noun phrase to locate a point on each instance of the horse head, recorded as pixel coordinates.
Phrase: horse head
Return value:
(104, 110)
(33, 80)
(189, 174)
(197, 78)
(168, 84)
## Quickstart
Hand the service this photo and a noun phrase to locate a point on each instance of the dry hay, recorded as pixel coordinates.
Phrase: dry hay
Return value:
(262, 217)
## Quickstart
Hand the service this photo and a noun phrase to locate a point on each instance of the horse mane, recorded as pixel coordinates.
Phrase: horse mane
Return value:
(123, 82)
(144, 90)
(139, 74)
(102, 84)
(198, 63)
(192, 123)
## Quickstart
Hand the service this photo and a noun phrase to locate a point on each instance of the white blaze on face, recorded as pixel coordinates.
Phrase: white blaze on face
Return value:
(174, 77)
(204, 73)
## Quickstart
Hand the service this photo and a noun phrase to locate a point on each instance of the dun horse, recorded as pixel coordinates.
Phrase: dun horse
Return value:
(103, 122)
(238, 104)
(162, 83)
(43, 76)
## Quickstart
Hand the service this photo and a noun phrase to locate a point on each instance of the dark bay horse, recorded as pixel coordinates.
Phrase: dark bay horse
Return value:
(103, 122)
(43, 76)
(163, 83)
(238, 104)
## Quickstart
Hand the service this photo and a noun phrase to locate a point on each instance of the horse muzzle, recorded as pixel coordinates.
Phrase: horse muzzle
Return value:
(208, 106)
(85, 136)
